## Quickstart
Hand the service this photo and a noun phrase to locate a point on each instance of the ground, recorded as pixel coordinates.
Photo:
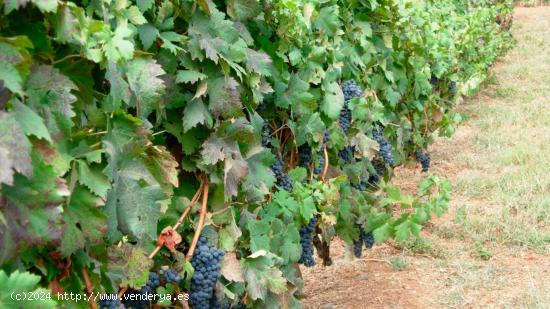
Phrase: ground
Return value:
(492, 250)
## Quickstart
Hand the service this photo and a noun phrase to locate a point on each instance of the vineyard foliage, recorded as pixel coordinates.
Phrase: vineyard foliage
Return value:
(119, 116)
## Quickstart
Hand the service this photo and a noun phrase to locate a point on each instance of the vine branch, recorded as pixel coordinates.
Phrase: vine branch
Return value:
(325, 168)
(89, 287)
(198, 230)
(181, 218)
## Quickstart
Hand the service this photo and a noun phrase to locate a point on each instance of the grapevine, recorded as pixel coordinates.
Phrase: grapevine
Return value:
(133, 131)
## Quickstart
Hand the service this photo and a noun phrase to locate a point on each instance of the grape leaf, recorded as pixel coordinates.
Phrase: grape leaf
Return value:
(243, 9)
(258, 62)
(93, 178)
(296, 92)
(224, 98)
(189, 76)
(195, 113)
(133, 263)
(333, 100)
(30, 122)
(14, 146)
(147, 34)
(262, 275)
(11, 77)
(148, 89)
(83, 221)
(23, 282)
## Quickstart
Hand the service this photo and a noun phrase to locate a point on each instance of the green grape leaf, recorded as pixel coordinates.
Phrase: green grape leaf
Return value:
(224, 97)
(196, 113)
(260, 178)
(83, 221)
(262, 275)
(258, 62)
(11, 77)
(93, 178)
(148, 89)
(333, 100)
(135, 16)
(147, 34)
(14, 149)
(243, 9)
(23, 282)
(118, 47)
(189, 76)
(30, 122)
(133, 263)
(296, 92)
(327, 21)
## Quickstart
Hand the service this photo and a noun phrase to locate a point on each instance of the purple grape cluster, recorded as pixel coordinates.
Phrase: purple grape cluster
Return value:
(385, 146)
(283, 180)
(266, 136)
(424, 158)
(346, 154)
(452, 87)
(206, 262)
(171, 276)
(351, 90)
(304, 155)
(366, 239)
(306, 241)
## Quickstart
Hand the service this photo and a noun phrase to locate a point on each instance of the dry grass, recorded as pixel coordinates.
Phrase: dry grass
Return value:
(493, 249)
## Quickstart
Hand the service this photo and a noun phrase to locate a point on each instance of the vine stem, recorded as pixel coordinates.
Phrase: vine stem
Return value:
(181, 218)
(201, 221)
(325, 168)
(89, 287)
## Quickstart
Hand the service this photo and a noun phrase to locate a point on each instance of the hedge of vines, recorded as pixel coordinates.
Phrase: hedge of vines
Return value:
(201, 148)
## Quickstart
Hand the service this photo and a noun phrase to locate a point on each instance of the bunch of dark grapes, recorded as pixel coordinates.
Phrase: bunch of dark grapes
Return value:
(306, 241)
(424, 158)
(318, 168)
(261, 107)
(206, 262)
(358, 246)
(344, 119)
(369, 239)
(385, 147)
(304, 155)
(351, 90)
(114, 303)
(366, 239)
(152, 283)
(283, 180)
(452, 87)
(434, 81)
(346, 154)
(266, 136)
(379, 169)
(171, 275)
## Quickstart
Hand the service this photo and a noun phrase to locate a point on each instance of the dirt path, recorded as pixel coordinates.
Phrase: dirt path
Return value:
(493, 248)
